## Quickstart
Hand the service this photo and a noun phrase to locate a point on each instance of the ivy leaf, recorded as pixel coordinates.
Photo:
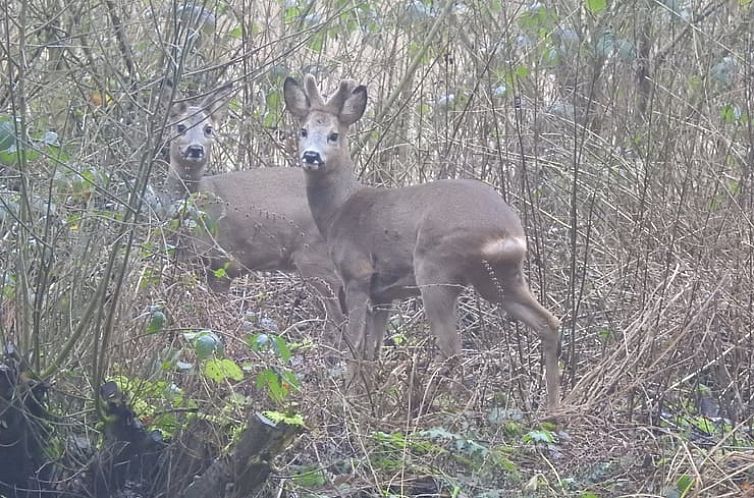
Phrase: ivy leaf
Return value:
(206, 343)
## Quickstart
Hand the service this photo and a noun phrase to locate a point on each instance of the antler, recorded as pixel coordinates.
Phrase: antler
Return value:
(335, 103)
(315, 98)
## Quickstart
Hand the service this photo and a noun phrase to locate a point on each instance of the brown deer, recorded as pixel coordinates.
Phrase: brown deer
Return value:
(260, 216)
(432, 239)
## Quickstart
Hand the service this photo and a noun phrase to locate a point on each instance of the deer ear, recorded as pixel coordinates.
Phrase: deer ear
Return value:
(170, 99)
(216, 102)
(354, 106)
(295, 98)
(178, 108)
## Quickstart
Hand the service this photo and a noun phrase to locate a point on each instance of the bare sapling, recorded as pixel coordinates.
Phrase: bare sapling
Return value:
(432, 239)
(259, 217)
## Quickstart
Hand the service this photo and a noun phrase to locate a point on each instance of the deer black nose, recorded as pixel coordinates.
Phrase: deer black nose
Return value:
(195, 151)
(312, 157)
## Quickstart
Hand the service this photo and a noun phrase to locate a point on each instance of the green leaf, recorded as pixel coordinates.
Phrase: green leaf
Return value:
(538, 20)
(521, 71)
(534, 437)
(730, 113)
(291, 14)
(258, 342)
(317, 42)
(596, 6)
(7, 133)
(269, 379)
(236, 32)
(274, 107)
(289, 377)
(684, 484)
(281, 348)
(220, 370)
(206, 346)
(206, 343)
(605, 334)
(503, 462)
(549, 426)
(512, 428)
(309, 478)
(703, 424)
(265, 377)
(437, 433)
(156, 322)
(9, 157)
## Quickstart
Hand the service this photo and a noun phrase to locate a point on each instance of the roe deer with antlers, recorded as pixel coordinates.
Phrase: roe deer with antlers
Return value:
(432, 239)
(260, 216)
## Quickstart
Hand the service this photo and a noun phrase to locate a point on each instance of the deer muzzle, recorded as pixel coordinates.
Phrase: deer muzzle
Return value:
(194, 152)
(311, 160)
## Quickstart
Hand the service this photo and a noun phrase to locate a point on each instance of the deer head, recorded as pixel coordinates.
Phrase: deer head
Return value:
(322, 140)
(193, 129)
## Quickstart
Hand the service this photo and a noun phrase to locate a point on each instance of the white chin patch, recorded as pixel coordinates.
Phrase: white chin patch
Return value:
(312, 166)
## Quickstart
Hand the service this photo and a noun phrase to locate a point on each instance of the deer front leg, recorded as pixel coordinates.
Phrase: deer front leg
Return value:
(357, 304)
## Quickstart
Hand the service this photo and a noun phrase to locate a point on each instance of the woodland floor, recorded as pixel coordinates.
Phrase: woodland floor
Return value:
(477, 432)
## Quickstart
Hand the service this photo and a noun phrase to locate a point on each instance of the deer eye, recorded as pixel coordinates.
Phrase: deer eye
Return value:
(303, 133)
(208, 130)
(332, 137)
(181, 128)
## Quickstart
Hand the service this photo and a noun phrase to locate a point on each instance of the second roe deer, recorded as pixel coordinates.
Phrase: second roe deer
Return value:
(260, 216)
(432, 239)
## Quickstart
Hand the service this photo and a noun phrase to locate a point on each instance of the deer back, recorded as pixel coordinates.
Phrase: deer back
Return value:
(261, 216)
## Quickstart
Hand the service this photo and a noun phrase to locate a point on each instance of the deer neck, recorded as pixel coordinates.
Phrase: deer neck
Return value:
(184, 177)
(327, 193)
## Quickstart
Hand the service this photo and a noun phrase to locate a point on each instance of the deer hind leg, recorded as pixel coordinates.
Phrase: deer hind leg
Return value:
(316, 270)
(509, 288)
(328, 291)
(376, 323)
(439, 291)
